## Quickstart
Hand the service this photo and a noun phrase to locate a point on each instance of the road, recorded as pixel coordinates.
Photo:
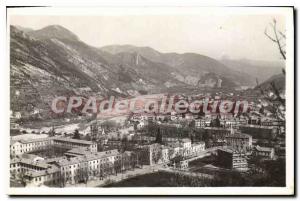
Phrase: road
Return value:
(116, 178)
(145, 170)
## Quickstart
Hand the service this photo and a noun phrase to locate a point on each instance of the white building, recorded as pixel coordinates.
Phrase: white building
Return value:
(185, 148)
(264, 152)
(18, 147)
(63, 170)
(200, 123)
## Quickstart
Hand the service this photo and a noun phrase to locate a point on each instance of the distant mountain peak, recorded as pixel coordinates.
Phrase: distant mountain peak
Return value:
(145, 50)
(54, 31)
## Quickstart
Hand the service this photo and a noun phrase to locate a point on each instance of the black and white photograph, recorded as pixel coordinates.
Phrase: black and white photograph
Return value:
(151, 100)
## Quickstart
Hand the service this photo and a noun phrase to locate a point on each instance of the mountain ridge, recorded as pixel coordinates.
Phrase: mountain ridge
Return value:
(189, 64)
(53, 31)
(53, 61)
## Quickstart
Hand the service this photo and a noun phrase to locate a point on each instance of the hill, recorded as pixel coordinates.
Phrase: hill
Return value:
(53, 62)
(278, 80)
(262, 70)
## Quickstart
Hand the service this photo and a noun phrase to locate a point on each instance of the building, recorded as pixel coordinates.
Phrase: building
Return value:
(143, 139)
(232, 159)
(197, 148)
(153, 154)
(260, 132)
(185, 148)
(95, 131)
(83, 167)
(139, 117)
(272, 122)
(200, 123)
(165, 154)
(34, 173)
(184, 164)
(74, 143)
(173, 116)
(141, 124)
(185, 143)
(264, 152)
(169, 140)
(239, 141)
(157, 154)
(161, 117)
(180, 164)
(233, 123)
(73, 168)
(19, 147)
(217, 134)
(189, 116)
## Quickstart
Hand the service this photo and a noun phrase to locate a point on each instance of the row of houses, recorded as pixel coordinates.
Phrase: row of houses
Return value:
(164, 154)
(225, 123)
(82, 161)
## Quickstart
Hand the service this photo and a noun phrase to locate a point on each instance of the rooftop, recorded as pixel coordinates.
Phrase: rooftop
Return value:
(230, 149)
(40, 164)
(74, 141)
(87, 157)
(25, 141)
(216, 128)
(51, 170)
(185, 140)
(265, 149)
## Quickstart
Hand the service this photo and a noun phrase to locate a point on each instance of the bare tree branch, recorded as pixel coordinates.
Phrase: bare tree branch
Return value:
(276, 39)
(272, 39)
(282, 34)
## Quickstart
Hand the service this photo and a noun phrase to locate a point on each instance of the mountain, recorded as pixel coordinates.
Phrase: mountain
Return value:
(278, 80)
(53, 31)
(262, 70)
(190, 67)
(146, 52)
(53, 62)
(24, 29)
(42, 69)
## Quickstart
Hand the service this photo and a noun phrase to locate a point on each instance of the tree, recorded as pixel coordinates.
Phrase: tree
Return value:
(215, 122)
(88, 137)
(52, 132)
(82, 173)
(156, 152)
(272, 96)
(158, 138)
(125, 145)
(192, 124)
(109, 124)
(62, 180)
(171, 153)
(22, 178)
(76, 134)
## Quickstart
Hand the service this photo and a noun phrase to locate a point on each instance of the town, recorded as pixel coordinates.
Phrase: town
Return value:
(204, 148)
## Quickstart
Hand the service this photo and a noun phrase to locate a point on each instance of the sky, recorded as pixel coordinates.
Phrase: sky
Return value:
(227, 36)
